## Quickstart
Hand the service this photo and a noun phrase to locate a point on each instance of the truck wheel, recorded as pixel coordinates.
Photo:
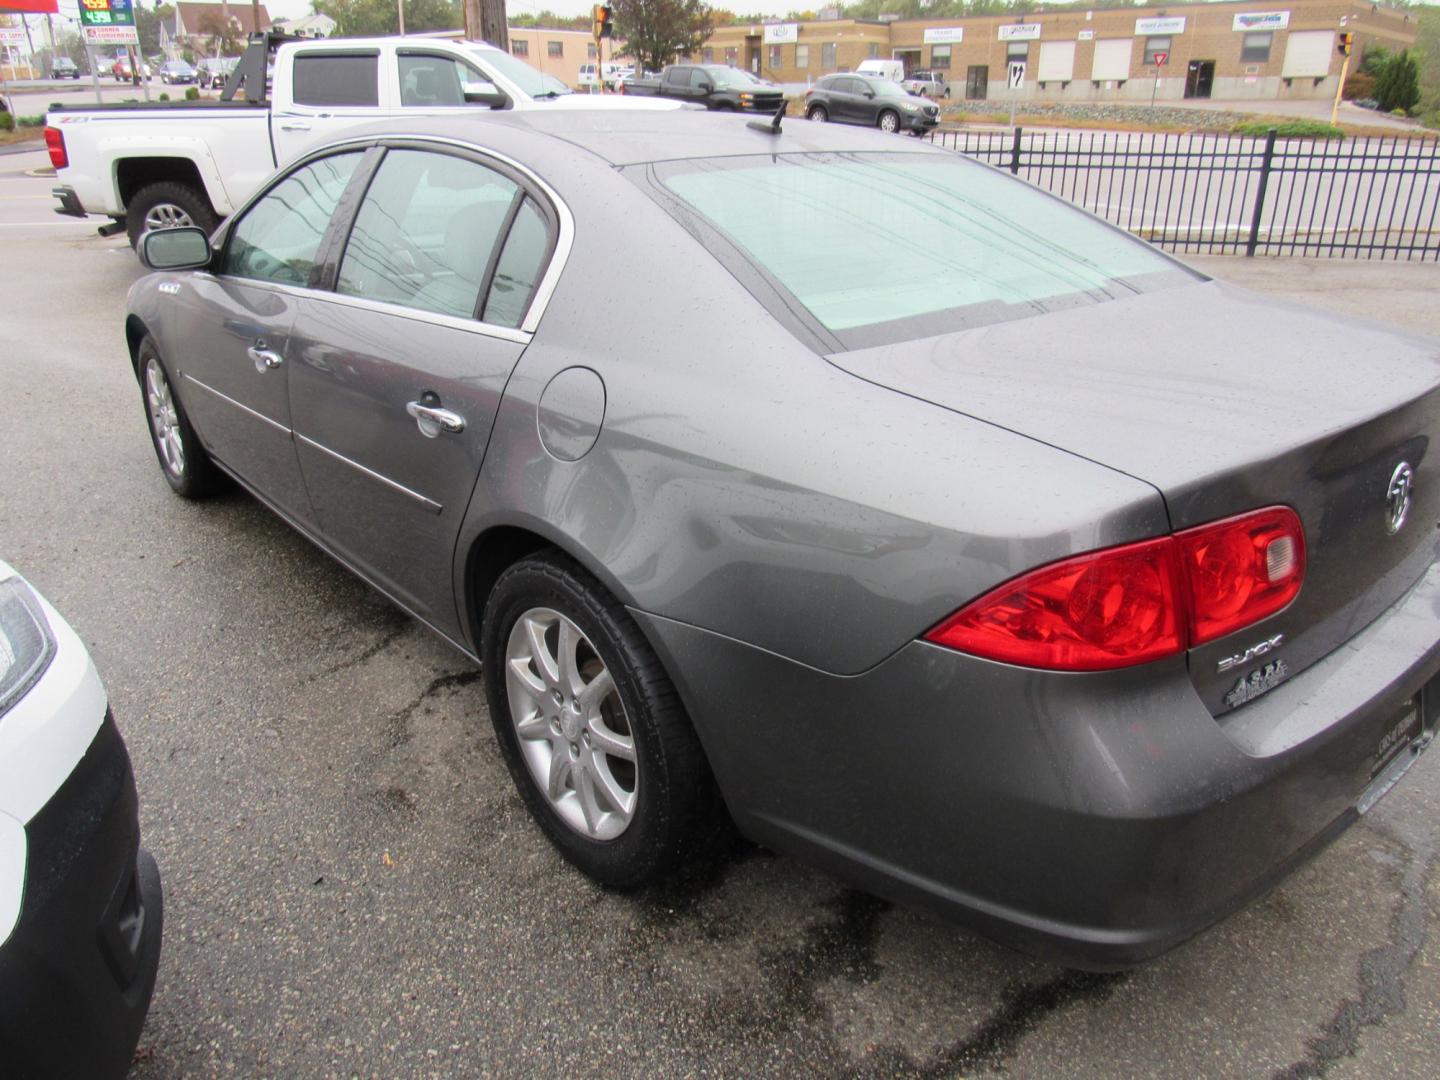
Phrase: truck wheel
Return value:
(818, 114)
(889, 122)
(166, 205)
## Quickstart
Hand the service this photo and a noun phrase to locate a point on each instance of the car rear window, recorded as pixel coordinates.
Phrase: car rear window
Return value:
(890, 247)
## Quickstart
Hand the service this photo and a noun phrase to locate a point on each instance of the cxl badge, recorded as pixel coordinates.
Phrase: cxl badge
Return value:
(1399, 496)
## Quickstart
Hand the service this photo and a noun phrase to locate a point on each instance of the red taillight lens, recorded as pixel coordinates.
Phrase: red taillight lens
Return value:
(1241, 569)
(55, 143)
(1107, 609)
(1126, 605)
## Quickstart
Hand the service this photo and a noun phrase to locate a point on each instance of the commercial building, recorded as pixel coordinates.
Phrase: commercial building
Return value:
(1215, 50)
(558, 52)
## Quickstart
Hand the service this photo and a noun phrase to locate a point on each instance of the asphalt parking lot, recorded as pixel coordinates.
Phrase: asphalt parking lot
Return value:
(354, 889)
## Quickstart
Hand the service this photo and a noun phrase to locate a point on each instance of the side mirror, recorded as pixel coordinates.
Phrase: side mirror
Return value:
(186, 248)
(485, 93)
(869, 93)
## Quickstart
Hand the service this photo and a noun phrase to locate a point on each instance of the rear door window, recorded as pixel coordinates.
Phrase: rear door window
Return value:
(325, 78)
(426, 231)
(522, 261)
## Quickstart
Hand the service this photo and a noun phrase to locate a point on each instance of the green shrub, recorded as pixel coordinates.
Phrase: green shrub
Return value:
(56, 105)
(1397, 86)
(192, 93)
(1291, 129)
(7, 122)
(164, 97)
(30, 121)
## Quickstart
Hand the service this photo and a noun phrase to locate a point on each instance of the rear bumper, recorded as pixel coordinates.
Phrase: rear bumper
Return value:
(1099, 819)
(69, 201)
(77, 973)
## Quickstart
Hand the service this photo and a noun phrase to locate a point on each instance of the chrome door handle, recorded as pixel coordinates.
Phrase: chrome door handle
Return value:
(264, 358)
(294, 125)
(432, 421)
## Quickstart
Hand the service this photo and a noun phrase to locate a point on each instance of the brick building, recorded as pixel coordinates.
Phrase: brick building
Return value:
(1215, 50)
(558, 52)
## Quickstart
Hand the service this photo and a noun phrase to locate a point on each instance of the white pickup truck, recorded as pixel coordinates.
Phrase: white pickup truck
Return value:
(194, 163)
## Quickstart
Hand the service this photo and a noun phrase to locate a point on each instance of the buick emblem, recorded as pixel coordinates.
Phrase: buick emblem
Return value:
(1399, 496)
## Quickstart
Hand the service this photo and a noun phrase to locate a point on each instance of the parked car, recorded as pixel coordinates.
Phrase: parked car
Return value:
(860, 99)
(952, 582)
(194, 162)
(715, 86)
(80, 900)
(889, 70)
(176, 72)
(213, 72)
(124, 72)
(62, 67)
(618, 75)
(931, 84)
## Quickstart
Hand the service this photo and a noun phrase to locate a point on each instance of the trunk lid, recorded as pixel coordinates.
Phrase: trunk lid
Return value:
(1225, 401)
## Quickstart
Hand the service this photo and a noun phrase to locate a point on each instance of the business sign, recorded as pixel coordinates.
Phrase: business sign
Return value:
(11, 36)
(782, 33)
(30, 7)
(1145, 27)
(1087, 35)
(110, 35)
(944, 35)
(105, 13)
(1020, 32)
(1263, 20)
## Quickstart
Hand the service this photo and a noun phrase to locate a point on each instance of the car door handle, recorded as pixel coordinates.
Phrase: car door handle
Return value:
(432, 421)
(294, 125)
(264, 358)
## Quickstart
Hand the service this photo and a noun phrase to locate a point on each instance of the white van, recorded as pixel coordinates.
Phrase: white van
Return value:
(893, 70)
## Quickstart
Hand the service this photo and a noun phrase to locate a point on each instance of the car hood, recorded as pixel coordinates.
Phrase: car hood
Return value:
(613, 102)
(1225, 401)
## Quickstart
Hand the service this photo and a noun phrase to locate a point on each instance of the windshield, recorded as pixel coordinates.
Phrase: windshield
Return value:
(554, 86)
(530, 81)
(844, 233)
(730, 78)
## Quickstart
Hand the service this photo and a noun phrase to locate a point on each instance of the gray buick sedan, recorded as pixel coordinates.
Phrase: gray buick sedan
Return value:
(1059, 588)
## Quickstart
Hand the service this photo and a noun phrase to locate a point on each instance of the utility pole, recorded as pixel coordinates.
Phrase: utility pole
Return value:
(400, 11)
(485, 21)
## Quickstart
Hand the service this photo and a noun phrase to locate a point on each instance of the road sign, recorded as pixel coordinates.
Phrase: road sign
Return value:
(1161, 57)
(1017, 74)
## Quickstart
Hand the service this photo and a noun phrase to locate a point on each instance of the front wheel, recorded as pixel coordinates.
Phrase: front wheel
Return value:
(591, 728)
(818, 114)
(184, 463)
(889, 122)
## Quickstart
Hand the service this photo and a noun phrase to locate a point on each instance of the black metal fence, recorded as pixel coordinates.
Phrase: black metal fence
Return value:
(1371, 197)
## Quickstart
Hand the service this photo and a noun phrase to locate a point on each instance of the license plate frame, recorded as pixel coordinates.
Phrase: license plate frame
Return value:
(1405, 738)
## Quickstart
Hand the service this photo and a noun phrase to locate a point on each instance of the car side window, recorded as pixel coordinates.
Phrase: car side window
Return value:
(325, 78)
(430, 81)
(425, 232)
(279, 236)
(522, 261)
(699, 78)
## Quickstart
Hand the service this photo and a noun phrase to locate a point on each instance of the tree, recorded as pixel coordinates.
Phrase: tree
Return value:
(369, 18)
(147, 26)
(224, 34)
(1398, 84)
(654, 31)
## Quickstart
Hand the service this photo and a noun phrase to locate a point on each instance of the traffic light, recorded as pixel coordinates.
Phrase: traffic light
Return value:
(1346, 43)
(602, 22)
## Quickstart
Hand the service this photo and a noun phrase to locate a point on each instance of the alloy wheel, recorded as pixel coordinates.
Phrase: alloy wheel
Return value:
(166, 216)
(574, 733)
(164, 419)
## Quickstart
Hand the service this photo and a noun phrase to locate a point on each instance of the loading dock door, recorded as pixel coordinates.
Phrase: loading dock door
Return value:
(1112, 59)
(1308, 53)
(1057, 61)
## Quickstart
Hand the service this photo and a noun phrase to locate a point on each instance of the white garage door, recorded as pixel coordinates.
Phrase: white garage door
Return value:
(1057, 61)
(1308, 53)
(1112, 59)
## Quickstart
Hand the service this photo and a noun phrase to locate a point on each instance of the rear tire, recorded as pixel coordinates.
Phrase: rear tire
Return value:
(818, 114)
(587, 727)
(889, 121)
(167, 205)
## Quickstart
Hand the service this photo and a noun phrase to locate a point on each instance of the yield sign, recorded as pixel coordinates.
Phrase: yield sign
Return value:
(1161, 57)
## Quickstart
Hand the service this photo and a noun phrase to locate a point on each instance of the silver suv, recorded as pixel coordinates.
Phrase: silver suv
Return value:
(931, 84)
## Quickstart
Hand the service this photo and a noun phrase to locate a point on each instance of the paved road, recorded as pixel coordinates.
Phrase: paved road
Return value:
(354, 889)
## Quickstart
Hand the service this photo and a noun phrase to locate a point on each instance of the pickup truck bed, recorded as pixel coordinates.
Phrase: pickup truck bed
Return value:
(715, 86)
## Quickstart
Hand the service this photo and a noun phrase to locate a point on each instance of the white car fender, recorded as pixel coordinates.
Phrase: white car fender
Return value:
(194, 148)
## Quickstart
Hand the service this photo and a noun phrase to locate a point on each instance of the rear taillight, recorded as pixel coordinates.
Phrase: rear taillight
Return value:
(1240, 570)
(55, 143)
(1137, 602)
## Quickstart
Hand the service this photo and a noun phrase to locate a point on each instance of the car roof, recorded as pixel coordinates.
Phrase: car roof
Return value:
(624, 137)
